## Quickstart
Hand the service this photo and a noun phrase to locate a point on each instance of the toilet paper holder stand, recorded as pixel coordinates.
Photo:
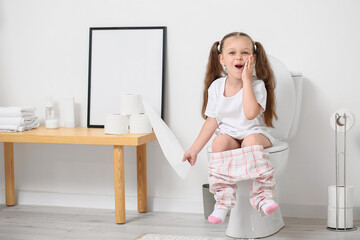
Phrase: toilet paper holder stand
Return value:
(345, 121)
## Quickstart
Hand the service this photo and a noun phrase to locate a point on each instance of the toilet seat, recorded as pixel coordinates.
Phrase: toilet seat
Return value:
(278, 146)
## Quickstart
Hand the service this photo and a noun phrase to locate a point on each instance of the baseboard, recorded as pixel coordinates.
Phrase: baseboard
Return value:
(63, 199)
(154, 203)
(303, 211)
(102, 201)
(175, 205)
(311, 211)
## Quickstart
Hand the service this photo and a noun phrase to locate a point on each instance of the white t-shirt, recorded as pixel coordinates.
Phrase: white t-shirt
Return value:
(229, 112)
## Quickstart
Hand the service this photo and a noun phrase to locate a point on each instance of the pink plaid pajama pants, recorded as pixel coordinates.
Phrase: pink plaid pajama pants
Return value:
(227, 168)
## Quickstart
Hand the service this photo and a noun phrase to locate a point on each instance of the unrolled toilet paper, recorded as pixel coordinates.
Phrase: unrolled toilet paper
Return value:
(139, 123)
(135, 106)
(116, 124)
(169, 144)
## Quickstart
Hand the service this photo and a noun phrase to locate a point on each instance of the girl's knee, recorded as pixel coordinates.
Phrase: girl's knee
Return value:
(218, 143)
(224, 142)
(256, 139)
(249, 141)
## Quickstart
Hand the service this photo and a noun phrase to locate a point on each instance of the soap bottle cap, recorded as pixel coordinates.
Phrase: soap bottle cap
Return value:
(49, 102)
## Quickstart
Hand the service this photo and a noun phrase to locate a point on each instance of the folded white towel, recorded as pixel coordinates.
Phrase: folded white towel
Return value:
(20, 128)
(17, 111)
(17, 120)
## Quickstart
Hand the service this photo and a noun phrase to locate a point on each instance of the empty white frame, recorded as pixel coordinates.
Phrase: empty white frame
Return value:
(124, 60)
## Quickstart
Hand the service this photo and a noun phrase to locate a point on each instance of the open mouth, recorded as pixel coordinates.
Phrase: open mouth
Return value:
(238, 66)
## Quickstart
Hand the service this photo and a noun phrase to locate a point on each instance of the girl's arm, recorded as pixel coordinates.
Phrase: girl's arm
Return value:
(205, 134)
(251, 107)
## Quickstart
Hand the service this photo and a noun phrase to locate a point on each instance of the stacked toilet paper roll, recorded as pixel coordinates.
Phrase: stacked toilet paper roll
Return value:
(131, 104)
(139, 123)
(131, 118)
(343, 208)
(116, 124)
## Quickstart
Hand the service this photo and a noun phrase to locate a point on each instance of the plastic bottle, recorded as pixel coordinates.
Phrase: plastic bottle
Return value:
(50, 118)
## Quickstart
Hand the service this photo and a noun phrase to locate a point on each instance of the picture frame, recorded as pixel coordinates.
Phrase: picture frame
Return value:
(124, 60)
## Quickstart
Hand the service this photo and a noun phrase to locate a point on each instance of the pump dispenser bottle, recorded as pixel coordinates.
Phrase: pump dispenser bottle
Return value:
(50, 118)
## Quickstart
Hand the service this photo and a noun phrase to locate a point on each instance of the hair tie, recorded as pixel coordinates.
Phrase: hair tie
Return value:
(219, 46)
(255, 47)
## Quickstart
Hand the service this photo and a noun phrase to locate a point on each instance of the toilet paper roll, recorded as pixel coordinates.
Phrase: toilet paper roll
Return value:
(341, 220)
(139, 123)
(116, 124)
(131, 104)
(350, 120)
(69, 112)
(341, 196)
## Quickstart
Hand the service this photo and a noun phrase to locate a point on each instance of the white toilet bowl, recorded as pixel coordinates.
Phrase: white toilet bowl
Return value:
(245, 221)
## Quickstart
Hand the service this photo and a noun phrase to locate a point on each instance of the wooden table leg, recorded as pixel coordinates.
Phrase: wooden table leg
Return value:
(9, 173)
(141, 178)
(119, 183)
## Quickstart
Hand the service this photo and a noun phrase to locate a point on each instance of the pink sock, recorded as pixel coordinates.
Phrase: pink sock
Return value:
(218, 216)
(270, 208)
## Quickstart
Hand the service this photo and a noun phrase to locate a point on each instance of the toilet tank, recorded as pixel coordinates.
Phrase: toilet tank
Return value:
(298, 83)
(285, 100)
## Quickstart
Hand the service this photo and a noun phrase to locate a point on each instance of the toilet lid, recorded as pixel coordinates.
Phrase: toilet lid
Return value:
(278, 146)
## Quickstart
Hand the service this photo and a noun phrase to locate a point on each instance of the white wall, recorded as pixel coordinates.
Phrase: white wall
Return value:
(44, 51)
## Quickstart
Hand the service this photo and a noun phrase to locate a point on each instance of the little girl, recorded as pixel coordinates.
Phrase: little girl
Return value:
(239, 108)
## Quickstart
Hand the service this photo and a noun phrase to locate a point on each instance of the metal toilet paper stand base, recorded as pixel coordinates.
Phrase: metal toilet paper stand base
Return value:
(342, 121)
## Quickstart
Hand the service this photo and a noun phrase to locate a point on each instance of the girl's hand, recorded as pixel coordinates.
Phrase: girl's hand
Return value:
(190, 156)
(248, 68)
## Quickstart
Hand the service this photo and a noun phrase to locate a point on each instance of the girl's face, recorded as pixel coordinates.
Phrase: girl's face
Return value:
(236, 51)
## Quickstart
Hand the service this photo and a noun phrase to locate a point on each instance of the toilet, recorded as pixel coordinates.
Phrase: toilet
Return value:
(245, 221)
